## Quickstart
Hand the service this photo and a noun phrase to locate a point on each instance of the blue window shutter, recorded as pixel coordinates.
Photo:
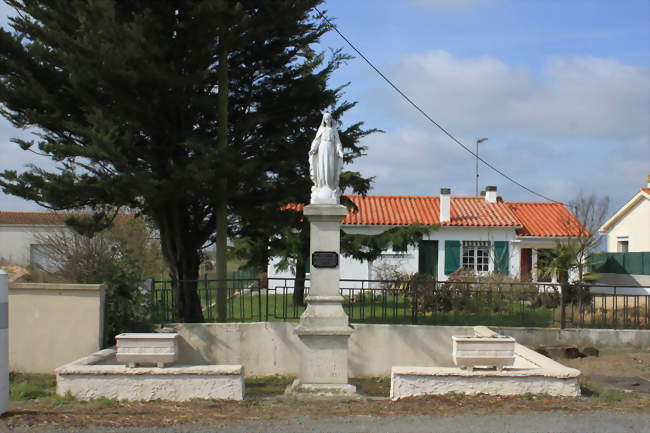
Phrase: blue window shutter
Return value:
(502, 257)
(452, 256)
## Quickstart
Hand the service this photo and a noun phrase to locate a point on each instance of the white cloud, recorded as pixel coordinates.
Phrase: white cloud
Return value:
(580, 124)
(574, 97)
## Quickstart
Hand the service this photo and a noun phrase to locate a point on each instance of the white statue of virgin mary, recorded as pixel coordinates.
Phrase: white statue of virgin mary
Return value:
(325, 163)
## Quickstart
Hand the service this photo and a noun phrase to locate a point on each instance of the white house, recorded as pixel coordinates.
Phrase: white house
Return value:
(628, 230)
(628, 245)
(485, 234)
(20, 234)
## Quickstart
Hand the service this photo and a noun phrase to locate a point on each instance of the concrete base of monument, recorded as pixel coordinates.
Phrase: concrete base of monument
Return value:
(100, 375)
(345, 390)
(531, 373)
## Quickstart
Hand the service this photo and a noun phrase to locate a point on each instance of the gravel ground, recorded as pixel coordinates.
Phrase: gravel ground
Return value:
(533, 422)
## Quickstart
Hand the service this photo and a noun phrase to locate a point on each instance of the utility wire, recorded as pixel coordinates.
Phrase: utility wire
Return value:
(410, 101)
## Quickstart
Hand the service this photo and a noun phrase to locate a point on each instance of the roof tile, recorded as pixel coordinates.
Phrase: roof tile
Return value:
(529, 219)
(31, 218)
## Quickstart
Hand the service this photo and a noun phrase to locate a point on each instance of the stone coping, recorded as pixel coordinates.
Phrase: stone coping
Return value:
(147, 336)
(478, 372)
(325, 210)
(500, 339)
(55, 286)
(87, 365)
(324, 331)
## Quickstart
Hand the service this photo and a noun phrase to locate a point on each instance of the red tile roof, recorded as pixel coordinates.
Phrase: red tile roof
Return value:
(545, 219)
(646, 190)
(31, 218)
(403, 210)
(529, 219)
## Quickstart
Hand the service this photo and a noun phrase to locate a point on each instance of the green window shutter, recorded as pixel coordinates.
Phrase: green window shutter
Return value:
(452, 256)
(502, 258)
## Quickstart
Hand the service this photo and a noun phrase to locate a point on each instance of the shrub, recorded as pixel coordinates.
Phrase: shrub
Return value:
(120, 257)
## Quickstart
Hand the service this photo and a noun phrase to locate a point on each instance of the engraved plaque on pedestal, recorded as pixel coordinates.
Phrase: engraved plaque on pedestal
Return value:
(325, 259)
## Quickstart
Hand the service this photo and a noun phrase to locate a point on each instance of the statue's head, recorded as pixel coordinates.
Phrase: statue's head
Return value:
(328, 120)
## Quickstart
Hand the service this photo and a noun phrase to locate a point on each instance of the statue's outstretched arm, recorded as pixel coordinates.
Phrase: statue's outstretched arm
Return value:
(339, 146)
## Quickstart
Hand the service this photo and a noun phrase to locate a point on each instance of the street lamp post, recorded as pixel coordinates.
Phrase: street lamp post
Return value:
(480, 140)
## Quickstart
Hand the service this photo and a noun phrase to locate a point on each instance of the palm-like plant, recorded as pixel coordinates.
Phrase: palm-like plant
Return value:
(559, 261)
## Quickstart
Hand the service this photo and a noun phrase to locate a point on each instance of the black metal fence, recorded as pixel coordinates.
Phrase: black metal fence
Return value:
(425, 302)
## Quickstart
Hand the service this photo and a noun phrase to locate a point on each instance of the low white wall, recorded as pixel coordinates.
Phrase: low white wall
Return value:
(53, 324)
(600, 338)
(268, 348)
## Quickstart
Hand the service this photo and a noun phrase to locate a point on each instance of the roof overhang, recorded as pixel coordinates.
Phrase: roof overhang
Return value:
(544, 238)
(623, 211)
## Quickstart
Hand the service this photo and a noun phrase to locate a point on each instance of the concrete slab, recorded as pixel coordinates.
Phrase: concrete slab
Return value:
(530, 373)
(92, 377)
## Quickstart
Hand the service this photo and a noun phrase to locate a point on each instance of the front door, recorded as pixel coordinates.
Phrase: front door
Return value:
(428, 258)
(526, 264)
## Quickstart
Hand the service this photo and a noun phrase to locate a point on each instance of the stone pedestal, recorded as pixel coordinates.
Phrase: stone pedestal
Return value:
(324, 328)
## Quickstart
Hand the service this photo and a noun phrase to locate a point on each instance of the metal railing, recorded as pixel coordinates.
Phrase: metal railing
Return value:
(426, 302)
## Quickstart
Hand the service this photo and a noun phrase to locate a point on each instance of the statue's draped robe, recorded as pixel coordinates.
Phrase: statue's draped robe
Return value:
(327, 160)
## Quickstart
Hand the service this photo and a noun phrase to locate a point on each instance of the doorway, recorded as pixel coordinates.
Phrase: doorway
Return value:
(428, 258)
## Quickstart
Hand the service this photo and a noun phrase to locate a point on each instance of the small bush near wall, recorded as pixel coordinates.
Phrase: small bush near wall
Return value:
(120, 257)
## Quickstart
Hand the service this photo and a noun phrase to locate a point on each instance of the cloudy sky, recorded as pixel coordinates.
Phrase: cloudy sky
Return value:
(561, 89)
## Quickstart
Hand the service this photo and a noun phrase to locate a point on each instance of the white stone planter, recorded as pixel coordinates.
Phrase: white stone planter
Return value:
(469, 352)
(147, 348)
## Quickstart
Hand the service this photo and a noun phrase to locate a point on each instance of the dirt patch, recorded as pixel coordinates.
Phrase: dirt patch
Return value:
(613, 363)
(160, 414)
(622, 371)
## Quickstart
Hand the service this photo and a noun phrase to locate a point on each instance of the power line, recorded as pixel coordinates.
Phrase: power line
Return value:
(410, 101)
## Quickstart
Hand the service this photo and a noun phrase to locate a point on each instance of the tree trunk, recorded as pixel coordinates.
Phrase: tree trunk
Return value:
(221, 263)
(222, 187)
(299, 286)
(301, 261)
(185, 273)
(181, 251)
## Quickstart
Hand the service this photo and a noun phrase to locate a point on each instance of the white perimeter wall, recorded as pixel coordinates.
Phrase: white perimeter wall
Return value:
(53, 324)
(268, 348)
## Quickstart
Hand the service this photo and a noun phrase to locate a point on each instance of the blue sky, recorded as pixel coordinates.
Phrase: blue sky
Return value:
(560, 88)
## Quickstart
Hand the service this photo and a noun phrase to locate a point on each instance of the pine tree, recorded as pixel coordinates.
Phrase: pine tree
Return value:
(125, 97)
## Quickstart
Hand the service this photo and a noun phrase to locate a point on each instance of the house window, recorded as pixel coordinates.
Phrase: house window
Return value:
(623, 246)
(476, 255)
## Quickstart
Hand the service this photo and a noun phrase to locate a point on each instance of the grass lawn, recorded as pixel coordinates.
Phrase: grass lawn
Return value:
(269, 306)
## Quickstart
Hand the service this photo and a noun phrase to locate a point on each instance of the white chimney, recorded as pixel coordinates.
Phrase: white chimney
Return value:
(491, 194)
(649, 181)
(445, 205)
